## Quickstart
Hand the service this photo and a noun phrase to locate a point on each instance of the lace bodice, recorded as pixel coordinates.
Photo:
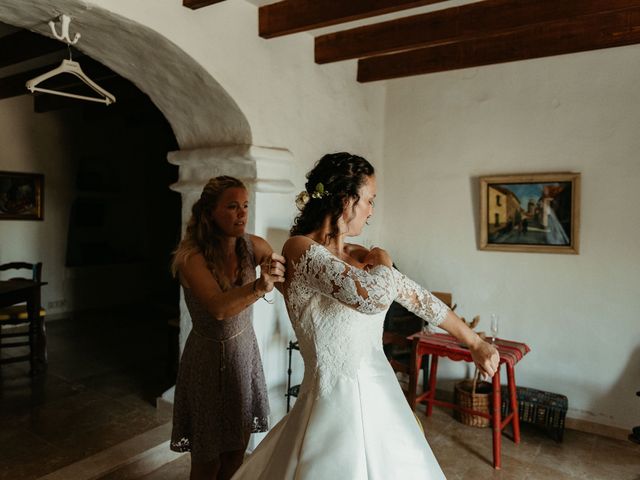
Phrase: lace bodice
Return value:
(337, 312)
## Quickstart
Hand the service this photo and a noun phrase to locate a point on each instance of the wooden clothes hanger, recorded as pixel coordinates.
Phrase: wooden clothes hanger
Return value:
(69, 66)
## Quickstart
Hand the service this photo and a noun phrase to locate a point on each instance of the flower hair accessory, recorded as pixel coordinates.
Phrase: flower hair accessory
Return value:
(319, 191)
(303, 197)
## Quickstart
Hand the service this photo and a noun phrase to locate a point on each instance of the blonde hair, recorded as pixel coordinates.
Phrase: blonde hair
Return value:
(204, 236)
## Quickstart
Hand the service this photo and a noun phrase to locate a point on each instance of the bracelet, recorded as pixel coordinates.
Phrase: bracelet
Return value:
(253, 288)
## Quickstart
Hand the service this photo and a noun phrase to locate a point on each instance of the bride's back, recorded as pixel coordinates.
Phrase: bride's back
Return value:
(337, 322)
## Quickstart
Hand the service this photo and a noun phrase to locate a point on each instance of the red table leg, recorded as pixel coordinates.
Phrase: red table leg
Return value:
(414, 368)
(432, 384)
(496, 420)
(515, 422)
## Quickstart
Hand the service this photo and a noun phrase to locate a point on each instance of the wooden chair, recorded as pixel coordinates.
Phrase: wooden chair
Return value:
(17, 316)
(398, 325)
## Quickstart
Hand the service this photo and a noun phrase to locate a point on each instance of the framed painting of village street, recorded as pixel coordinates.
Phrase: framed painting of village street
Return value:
(530, 213)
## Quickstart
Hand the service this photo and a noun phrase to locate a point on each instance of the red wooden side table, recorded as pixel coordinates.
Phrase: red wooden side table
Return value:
(444, 345)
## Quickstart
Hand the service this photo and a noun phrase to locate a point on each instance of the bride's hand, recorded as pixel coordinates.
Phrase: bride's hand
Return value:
(485, 356)
(377, 256)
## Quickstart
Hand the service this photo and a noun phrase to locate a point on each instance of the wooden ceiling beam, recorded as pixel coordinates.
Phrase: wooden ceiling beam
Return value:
(195, 4)
(25, 45)
(591, 32)
(487, 18)
(14, 85)
(291, 16)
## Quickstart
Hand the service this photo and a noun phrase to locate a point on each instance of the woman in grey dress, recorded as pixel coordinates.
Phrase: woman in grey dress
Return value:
(221, 395)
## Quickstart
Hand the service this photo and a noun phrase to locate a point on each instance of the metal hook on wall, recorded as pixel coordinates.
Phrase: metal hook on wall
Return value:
(64, 36)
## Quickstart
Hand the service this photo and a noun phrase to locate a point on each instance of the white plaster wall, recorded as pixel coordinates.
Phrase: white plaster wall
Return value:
(39, 143)
(579, 313)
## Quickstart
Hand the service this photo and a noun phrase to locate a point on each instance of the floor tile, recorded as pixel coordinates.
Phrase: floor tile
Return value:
(105, 371)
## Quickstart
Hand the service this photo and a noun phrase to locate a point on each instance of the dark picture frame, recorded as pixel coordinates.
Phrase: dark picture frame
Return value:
(530, 213)
(21, 196)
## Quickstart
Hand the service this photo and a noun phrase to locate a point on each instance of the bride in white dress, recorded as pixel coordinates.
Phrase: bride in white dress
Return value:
(351, 420)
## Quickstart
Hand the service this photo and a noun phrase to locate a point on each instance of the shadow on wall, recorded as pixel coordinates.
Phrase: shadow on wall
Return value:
(277, 238)
(282, 330)
(474, 189)
(622, 395)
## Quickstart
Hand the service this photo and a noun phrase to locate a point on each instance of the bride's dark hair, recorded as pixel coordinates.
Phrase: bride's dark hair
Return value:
(334, 179)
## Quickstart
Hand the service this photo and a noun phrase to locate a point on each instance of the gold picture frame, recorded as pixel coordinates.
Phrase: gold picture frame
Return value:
(538, 212)
(21, 196)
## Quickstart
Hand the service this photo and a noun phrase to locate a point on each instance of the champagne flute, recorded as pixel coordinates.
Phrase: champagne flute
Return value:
(495, 323)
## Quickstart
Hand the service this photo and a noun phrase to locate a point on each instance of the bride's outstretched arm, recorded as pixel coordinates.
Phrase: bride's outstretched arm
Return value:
(424, 304)
(318, 269)
(419, 301)
(484, 355)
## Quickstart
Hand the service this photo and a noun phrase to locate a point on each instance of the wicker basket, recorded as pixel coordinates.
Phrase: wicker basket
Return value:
(474, 395)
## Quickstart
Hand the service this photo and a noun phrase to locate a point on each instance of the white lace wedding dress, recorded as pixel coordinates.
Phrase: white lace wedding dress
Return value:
(351, 420)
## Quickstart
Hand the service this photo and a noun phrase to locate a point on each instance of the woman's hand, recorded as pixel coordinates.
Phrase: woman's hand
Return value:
(485, 356)
(272, 271)
(377, 256)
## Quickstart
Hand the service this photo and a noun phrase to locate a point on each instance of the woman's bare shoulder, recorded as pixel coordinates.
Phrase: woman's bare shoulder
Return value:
(194, 260)
(256, 240)
(261, 248)
(295, 246)
(193, 266)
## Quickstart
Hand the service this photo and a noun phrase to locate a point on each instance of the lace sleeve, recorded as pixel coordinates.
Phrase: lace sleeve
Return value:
(365, 291)
(419, 301)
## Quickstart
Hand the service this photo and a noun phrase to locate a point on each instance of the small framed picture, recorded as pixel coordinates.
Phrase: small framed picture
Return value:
(21, 196)
(530, 213)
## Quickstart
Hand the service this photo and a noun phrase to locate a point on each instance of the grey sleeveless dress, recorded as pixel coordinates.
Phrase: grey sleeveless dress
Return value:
(221, 394)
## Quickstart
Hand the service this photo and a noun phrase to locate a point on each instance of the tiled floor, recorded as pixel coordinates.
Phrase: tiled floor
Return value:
(106, 369)
(464, 453)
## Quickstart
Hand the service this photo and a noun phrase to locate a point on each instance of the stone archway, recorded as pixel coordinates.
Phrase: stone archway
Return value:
(200, 111)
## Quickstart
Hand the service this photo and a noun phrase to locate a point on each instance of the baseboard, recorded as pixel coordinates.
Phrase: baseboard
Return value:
(52, 317)
(164, 409)
(586, 426)
(577, 424)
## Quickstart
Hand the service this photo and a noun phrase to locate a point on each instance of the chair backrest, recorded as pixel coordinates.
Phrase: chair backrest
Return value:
(35, 268)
